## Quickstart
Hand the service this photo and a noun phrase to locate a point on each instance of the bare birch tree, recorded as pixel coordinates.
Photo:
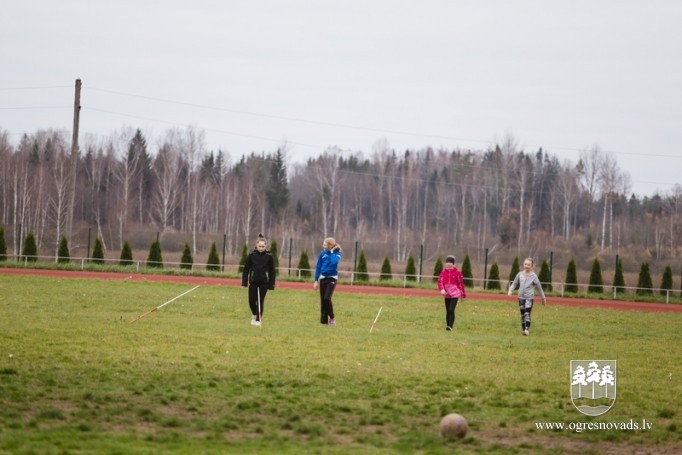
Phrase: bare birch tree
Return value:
(325, 177)
(61, 176)
(168, 179)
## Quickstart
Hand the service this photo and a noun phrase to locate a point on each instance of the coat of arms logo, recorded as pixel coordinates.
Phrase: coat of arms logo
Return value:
(593, 386)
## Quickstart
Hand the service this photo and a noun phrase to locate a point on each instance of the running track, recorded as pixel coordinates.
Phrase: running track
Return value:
(406, 292)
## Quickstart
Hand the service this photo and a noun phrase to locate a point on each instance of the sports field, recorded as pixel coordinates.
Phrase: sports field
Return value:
(76, 376)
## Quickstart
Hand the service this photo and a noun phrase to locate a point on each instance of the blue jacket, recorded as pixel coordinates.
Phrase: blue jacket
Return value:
(327, 264)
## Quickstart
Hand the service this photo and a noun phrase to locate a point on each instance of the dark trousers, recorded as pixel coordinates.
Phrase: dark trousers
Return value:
(525, 307)
(450, 305)
(327, 286)
(254, 290)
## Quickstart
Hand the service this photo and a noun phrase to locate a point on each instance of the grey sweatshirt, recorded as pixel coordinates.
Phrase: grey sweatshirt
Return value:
(525, 284)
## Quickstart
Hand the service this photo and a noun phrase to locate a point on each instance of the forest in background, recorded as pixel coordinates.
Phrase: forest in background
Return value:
(493, 204)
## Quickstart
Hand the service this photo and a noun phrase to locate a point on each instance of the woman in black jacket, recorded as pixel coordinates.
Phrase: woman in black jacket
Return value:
(259, 276)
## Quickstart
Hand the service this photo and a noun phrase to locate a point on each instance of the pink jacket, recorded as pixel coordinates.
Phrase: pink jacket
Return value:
(453, 282)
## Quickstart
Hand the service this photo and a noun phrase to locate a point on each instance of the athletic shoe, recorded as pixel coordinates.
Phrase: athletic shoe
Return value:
(448, 328)
(332, 321)
(256, 323)
(525, 332)
(253, 320)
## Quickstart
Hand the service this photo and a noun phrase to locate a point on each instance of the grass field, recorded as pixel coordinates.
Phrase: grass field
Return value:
(195, 377)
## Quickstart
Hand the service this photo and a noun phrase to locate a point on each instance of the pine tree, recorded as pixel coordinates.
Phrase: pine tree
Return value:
(545, 277)
(667, 281)
(618, 278)
(242, 260)
(30, 251)
(410, 269)
(437, 268)
(275, 255)
(3, 244)
(467, 273)
(186, 260)
(98, 252)
(126, 255)
(361, 272)
(304, 265)
(386, 274)
(494, 277)
(515, 269)
(277, 191)
(596, 284)
(644, 283)
(213, 262)
(63, 255)
(571, 285)
(155, 259)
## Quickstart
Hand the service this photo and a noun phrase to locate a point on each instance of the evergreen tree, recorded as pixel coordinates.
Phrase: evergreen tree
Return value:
(213, 262)
(63, 255)
(155, 258)
(515, 269)
(437, 268)
(410, 269)
(494, 277)
(571, 285)
(545, 277)
(618, 278)
(275, 255)
(98, 252)
(140, 163)
(386, 274)
(596, 284)
(186, 260)
(29, 252)
(361, 272)
(126, 255)
(3, 244)
(667, 281)
(242, 260)
(644, 283)
(304, 265)
(277, 191)
(467, 273)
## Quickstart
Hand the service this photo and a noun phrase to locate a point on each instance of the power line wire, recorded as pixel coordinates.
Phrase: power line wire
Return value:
(354, 127)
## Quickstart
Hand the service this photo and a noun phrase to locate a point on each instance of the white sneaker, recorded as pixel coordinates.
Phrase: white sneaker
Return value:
(256, 323)
(526, 333)
(253, 320)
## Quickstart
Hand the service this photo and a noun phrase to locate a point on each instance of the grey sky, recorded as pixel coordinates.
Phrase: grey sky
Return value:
(562, 75)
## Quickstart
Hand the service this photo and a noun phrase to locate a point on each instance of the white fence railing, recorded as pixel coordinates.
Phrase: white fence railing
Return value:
(406, 280)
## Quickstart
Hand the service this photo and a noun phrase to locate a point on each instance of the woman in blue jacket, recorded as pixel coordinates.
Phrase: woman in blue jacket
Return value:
(326, 276)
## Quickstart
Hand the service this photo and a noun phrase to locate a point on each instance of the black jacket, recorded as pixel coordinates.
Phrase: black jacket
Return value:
(259, 268)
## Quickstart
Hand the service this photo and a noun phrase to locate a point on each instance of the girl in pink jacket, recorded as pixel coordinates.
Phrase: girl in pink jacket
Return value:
(451, 287)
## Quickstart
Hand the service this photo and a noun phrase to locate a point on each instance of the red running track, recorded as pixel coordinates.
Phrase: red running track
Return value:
(406, 292)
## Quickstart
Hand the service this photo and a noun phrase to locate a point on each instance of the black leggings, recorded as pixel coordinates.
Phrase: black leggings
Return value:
(525, 307)
(450, 305)
(327, 286)
(254, 290)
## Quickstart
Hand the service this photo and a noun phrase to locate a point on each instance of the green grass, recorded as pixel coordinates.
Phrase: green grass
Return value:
(195, 377)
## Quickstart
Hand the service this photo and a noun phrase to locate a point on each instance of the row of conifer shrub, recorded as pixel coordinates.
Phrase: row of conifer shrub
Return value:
(493, 280)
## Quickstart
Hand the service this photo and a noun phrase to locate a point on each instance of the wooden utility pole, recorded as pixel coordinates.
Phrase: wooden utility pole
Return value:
(74, 160)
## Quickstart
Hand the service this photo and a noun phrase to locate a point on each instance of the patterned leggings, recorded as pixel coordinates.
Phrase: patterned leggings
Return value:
(525, 307)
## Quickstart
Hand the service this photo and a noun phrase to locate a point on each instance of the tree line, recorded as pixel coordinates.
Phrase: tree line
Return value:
(496, 199)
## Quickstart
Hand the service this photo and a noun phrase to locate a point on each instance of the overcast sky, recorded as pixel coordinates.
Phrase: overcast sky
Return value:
(254, 75)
